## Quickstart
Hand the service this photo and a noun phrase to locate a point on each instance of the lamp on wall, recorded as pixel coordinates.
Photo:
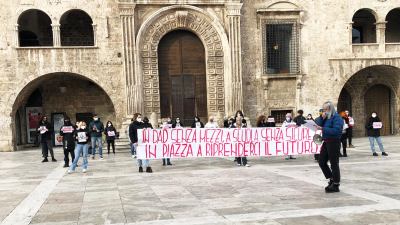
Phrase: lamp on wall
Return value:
(63, 89)
(370, 79)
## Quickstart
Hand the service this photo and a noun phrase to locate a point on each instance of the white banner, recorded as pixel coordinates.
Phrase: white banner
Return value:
(224, 142)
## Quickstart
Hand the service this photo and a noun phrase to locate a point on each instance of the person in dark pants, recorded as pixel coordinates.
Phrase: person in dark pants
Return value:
(68, 133)
(343, 138)
(350, 129)
(331, 125)
(111, 134)
(316, 156)
(96, 129)
(45, 131)
(240, 160)
(373, 126)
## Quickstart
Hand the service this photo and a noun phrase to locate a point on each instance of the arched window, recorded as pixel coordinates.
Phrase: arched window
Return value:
(76, 28)
(393, 26)
(364, 28)
(34, 29)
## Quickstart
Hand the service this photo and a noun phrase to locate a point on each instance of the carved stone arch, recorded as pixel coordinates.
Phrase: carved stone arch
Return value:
(215, 42)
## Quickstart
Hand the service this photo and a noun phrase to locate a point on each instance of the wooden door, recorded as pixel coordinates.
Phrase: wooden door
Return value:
(377, 99)
(182, 71)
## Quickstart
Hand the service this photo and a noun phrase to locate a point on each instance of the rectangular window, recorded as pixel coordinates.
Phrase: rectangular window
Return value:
(280, 115)
(281, 48)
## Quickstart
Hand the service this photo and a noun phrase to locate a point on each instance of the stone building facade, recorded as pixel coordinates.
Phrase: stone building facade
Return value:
(205, 57)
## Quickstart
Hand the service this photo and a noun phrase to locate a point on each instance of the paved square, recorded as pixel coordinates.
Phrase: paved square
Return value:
(201, 191)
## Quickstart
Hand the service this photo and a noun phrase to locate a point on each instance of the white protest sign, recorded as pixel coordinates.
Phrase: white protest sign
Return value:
(223, 142)
(377, 125)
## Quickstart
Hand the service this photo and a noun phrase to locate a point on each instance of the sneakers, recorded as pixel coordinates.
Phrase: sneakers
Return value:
(384, 154)
(247, 165)
(375, 154)
(45, 160)
(140, 169)
(238, 164)
(84, 170)
(54, 160)
(329, 184)
(70, 171)
(65, 166)
(332, 188)
(169, 164)
(292, 157)
(351, 146)
(101, 158)
(149, 170)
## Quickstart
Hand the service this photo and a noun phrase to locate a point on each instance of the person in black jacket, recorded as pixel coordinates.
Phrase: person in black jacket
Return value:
(299, 119)
(146, 123)
(270, 122)
(261, 121)
(111, 134)
(374, 126)
(68, 133)
(239, 113)
(45, 131)
(197, 123)
(133, 127)
(177, 123)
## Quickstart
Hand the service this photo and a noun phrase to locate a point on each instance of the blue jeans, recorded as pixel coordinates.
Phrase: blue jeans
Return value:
(99, 142)
(372, 143)
(133, 149)
(143, 162)
(80, 148)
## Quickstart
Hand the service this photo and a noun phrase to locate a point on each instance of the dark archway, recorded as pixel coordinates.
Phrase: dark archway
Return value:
(344, 102)
(68, 94)
(392, 27)
(182, 80)
(364, 28)
(76, 28)
(34, 29)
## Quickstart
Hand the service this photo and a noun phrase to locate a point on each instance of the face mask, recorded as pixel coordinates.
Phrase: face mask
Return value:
(309, 118)
(287, 118)
(109, 124)
(95, 119)
(195, 119)
(83, 127)
(328, 115)
(177, 121)
(139, 119)
(373, 115)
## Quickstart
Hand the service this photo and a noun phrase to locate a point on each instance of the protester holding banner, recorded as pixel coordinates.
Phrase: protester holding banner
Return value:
(133, 127)
(309, 117)
(261, 121)
(177, 123)
(166, 125)
(350, 129)
(289, 123)
(343, 139)
(197, 123)
(374, 126)
(137, 125)
(82, 138)
(68, 133)
(239, 113)
(146, 123)
(96, 132)
(299, 119)
(240, 160)
(211, 123)
(45, 131)
(270, 122)
(331, 125)
(111, 134)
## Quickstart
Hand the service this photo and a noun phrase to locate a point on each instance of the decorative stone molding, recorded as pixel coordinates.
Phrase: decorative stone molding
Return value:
(233, 9)
(56, 35)
(203, 27)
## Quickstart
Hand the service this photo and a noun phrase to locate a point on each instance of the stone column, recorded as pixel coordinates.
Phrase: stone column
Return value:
(381, 36)
(133, 82)
(236, 90)
(56, 35)
(16, 36)
(94, 34)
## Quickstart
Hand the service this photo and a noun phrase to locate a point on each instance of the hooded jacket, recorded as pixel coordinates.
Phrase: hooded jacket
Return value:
(96, 128)
(133, 127)
(68, 133)
(46, 132)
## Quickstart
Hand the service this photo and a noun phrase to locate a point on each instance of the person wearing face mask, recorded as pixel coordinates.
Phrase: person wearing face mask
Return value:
(270, 122)
(165, 125)
(68, 133)
(197, 123)
(82, 136)
(310, 117)
(240, 160)
(350, 129)
(288, 123)
(331, 125)
(133, 127)
(145, 162)
(211, 123)
(177, 124)
(343, 139)
(374, 126)
(45, 131)
(96, 128)
(111, 134)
